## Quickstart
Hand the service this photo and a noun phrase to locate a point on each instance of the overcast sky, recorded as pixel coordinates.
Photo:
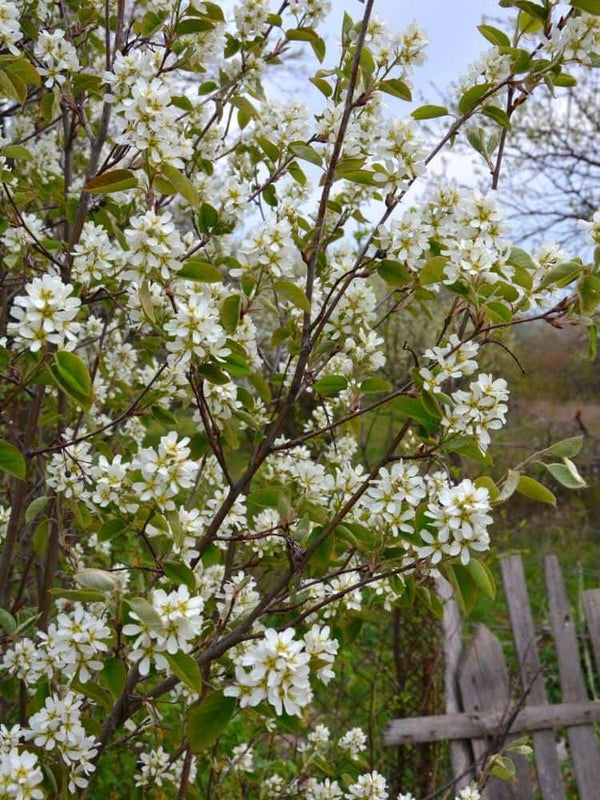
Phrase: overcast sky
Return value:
(451, 26)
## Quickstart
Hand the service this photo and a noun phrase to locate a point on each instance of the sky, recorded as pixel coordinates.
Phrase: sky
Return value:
(450, 25)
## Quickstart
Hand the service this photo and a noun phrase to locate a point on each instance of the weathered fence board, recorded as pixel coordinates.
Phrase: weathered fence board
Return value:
(530, 670)
(484, 683)
(449, 727)
(582, 739)
(591, 607)
(460, 749)
(493, 714)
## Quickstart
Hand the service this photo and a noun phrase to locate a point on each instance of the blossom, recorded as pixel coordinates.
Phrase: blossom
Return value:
(276, 669)
(460, 516)
(323, 790)
(179, 622)
(45, 314)
(10, 30)
(354, 742)
(58, 56)
(371, 786)
(20, 775)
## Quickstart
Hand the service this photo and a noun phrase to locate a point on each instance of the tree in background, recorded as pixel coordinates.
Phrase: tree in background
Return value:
(198, 508)
(555, 173)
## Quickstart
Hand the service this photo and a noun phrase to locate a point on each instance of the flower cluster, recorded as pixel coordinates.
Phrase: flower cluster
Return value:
(169, 624)
(45, 314)
(57, 727)
(277, 669)
(479, 410)
(73, 646)
(460, 519)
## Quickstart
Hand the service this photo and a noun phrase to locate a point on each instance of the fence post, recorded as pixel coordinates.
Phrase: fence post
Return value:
(530, 669)
(484, 684)
(461, 756)
(582, 739)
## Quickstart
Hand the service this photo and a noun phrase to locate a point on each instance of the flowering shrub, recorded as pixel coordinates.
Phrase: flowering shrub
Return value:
(194, 280)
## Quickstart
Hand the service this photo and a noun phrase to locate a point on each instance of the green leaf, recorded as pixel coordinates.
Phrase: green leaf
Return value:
(534, 10)
(146, 303)
(194, 269)
(12, 460)
(472, 96)
(16, 151)
(146, 613)
(433, 270)
(115, 181)
(330, 384)
(7, 621)
(429, 112)
(591, 6)
(182, 183)
(180, 573)
(413, 408)
(301, 35)
(482, 577)
(208, 719)
(86, 82)
(186, 669)
(79, 595)
(393, 272)
(565, 80)
(294, 294)
(499, 312)
(114, 674)
(322, 85)
(465, 588)
(269, 194)
(395, 87)
(485, 482)
(269, 148)
(208, 217)
(24, 70)
(95, 692)
(509, 487)
(73, 377)
(230, 312)
(497, 115)
(194, 25)
(13, 87)
(306, 153)
(566, 474)
(362, 176)
(374, 385)
(535, 491)
(589, 293)
(36, 507)
(566, 448)
(494, 35)
(97, 579)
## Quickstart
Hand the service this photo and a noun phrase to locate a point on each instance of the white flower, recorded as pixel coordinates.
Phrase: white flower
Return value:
(155, 247)
(460, 515)
(323, 649)
(45, 314)
(242, 758)
(10, 30)
(470, 792)
(354, 742)
(58, 56)
(323, 790)
(276, 670)
(20, 775)
(196, 328)
(370, 786)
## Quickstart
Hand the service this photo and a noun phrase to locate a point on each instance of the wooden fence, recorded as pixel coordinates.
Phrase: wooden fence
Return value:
(492, 712)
